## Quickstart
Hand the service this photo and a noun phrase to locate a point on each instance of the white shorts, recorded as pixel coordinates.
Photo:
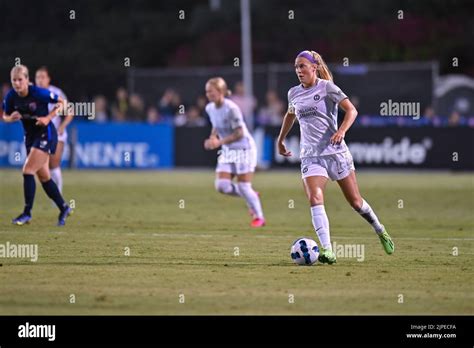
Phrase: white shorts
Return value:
(335, 167)
(63, 137)
(236, 161)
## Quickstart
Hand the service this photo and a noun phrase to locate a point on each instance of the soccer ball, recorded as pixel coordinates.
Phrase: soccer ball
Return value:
(304, 251)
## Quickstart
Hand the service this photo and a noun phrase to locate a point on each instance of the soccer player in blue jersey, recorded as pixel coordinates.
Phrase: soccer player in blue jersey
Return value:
(29, 104)
(323, 152)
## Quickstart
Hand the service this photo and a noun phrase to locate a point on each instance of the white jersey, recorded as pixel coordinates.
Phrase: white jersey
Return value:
(225, 119)
(316, 110)
(57, 91)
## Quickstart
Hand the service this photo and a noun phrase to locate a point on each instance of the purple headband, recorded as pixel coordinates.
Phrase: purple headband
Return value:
(308, 56)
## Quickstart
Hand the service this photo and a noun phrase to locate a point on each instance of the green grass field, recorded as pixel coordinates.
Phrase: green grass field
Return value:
(190, 251)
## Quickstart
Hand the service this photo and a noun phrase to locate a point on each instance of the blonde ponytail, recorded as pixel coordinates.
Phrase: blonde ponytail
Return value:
(323, 70)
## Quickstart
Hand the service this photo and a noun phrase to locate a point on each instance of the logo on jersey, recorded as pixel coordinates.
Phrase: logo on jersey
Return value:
(32, 106)
(291, 109)
(43, 144)
(51, 95)
(317, 97)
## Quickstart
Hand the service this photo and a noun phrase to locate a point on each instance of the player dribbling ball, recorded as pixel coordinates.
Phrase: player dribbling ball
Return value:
(323, 151)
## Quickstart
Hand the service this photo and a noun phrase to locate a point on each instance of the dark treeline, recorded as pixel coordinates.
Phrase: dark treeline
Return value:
(87, 43)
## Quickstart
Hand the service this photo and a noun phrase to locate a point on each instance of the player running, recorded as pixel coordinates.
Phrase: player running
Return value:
(323, 152)
(238, 155)
(29, 104)
(43, 80)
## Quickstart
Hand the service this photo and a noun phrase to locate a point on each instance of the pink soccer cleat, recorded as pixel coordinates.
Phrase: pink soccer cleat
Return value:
(257, 222)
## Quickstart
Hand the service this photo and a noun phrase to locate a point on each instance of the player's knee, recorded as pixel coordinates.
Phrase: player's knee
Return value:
(43, 177)
(316, 198)
(28, 170)
(223, 185)
(356, 203)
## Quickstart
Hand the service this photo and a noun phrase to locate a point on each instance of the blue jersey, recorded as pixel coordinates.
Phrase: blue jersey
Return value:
(34, 104)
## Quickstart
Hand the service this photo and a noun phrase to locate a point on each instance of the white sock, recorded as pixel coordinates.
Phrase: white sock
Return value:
(368, 214)
(253, 201)
(321, 225)
(57, 177)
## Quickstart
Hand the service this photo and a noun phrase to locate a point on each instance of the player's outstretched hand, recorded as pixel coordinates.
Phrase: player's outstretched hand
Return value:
(282, 150)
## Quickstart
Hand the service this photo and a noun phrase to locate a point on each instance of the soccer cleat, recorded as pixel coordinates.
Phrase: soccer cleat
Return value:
(22, 219)
(327, 256)
(63, 215)
(257, 222)
(387, 242)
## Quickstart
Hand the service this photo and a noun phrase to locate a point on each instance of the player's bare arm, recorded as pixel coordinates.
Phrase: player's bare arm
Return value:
(67, 120)
(349, 118)
(43, 121)
(214, 142)
(286, 126)
(15, 116)
(209, 142)
(236, 135)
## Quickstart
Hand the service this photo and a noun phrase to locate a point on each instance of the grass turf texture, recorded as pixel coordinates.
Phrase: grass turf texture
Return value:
(190, 250)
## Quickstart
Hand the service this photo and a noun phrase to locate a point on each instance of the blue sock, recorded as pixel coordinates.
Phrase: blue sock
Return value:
(29, 188)
(52, 191)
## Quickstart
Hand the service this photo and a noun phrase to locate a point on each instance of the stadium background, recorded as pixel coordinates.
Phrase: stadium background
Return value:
(150, 70)
(140, 179)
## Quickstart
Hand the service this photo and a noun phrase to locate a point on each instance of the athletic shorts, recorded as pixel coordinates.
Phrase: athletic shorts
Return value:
(63, 137)
(236, 161)
(46, 141)
(336, 166)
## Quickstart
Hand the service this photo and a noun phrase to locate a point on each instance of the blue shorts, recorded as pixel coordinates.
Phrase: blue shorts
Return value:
(46, 141)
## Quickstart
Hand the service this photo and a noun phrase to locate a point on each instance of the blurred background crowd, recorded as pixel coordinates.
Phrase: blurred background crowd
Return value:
(111, 38)
(170, 109)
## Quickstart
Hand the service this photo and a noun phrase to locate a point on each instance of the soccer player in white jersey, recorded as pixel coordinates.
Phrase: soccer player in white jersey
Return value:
(43, 80)
(238, 155)
(323, 152)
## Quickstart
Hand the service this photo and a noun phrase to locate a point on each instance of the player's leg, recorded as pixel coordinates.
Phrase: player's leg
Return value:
(251, 197)
(350, 190)
(225, 173)
(35, 160)
(53, 193)
(224, 184)
(314, 186)
(55, 165)
(50, 187)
